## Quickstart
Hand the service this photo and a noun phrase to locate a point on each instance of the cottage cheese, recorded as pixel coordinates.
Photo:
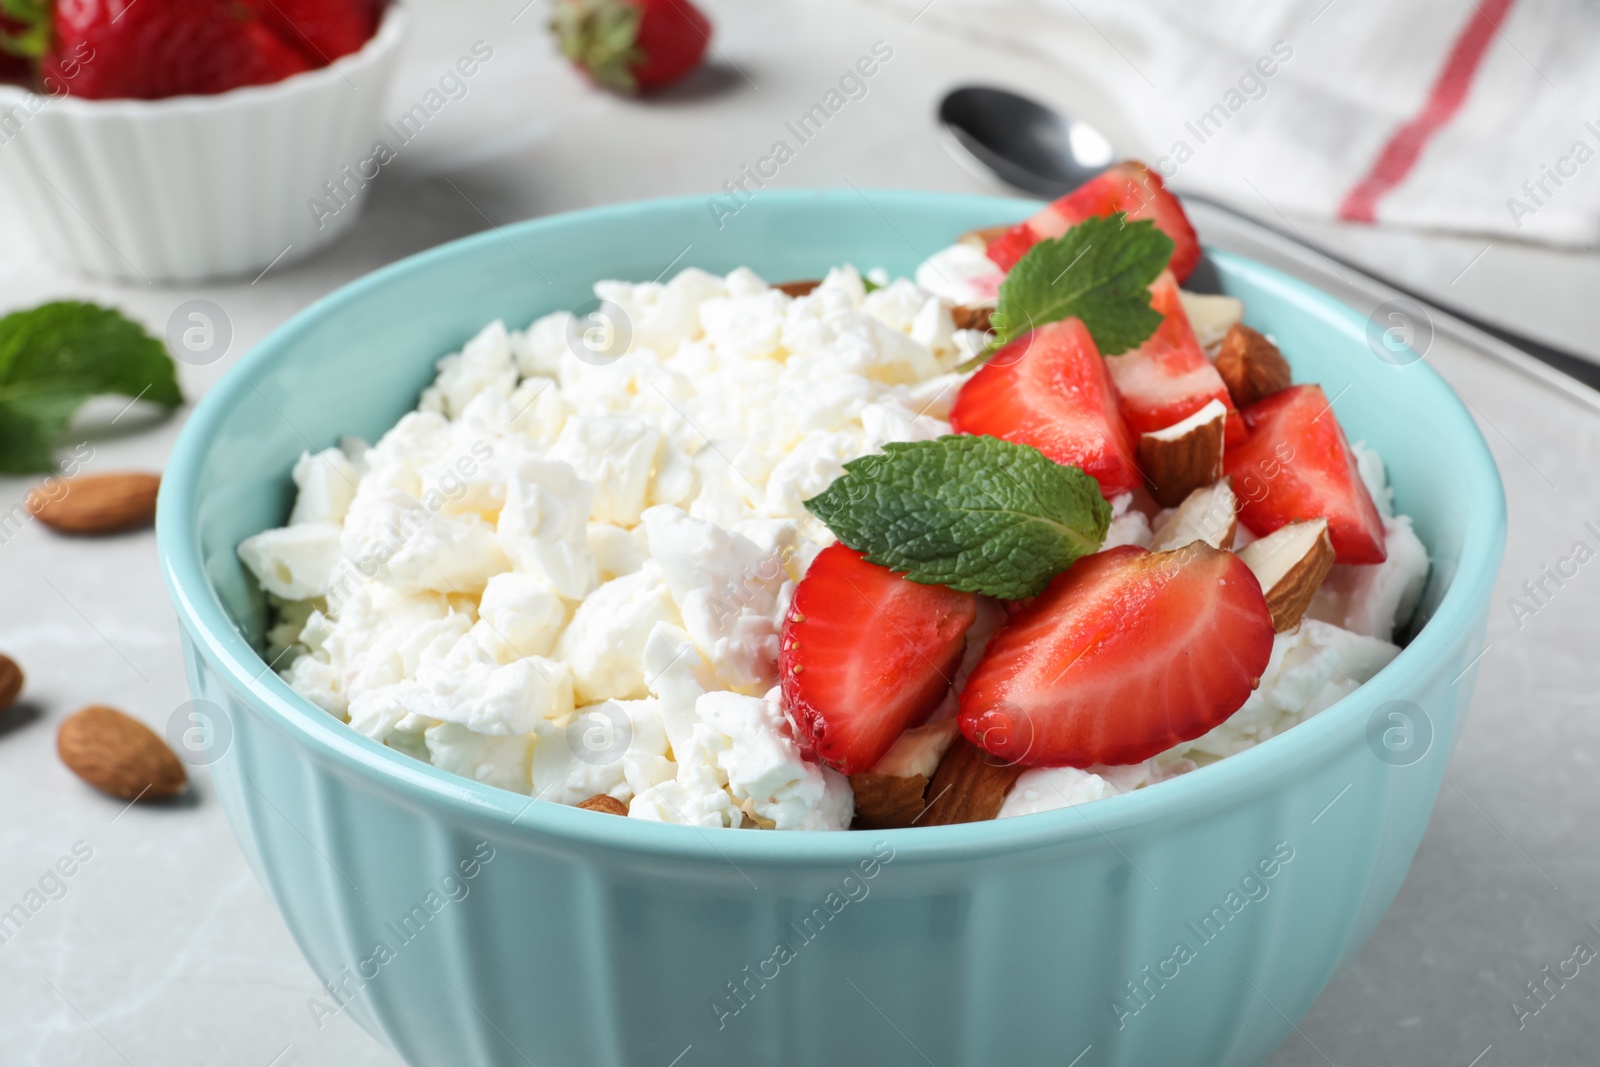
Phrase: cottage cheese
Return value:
(566, 572)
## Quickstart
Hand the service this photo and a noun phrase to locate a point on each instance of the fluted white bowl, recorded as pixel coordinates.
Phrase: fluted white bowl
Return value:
(195, 187)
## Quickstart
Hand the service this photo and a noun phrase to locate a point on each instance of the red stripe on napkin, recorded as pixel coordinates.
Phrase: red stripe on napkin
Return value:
(1449, 92)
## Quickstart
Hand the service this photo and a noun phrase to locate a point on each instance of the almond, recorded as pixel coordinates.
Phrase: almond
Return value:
(1291, 563)
(10, 682)
(1185, 456)
(980, 239)
(1251, 366)
(887, 801)
(972, 316)
(607, 804)
(118, 754)
(1210, 514)
(97, 503)
(969, 786)
(1210, 316)
(800, 288)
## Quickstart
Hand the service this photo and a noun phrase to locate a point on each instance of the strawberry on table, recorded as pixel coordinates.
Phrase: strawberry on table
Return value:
(1125, 654)
(1297, 466)
(1130, 187)
(1169, 378)
(152, 49)
(865, 655)
(1050, 389)
(632, 45)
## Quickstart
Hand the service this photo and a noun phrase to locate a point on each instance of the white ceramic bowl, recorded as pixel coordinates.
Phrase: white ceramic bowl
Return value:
(195, 187)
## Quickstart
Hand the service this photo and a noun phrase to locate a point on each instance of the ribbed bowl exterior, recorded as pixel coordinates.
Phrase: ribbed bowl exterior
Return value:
(466, 926)
(195, 188)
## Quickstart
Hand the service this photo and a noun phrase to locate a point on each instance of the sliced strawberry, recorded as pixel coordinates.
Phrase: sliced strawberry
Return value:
(1129, 187)
(1125, 654)
(865, 655)
(1050, 389)
(1296, 466)
(1169, 378)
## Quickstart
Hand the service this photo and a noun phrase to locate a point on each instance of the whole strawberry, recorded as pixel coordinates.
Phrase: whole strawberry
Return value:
(632, 45)
(104, 49)
(323, 30)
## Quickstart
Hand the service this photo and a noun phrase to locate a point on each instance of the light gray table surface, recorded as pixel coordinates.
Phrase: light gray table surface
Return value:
(164, 949)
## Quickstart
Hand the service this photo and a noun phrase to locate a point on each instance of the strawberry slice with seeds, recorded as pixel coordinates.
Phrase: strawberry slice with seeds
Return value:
(1050, 389)
(1169, 378)
(1125, 654)
(1129, 187)
(865, 655)
(1297, 466)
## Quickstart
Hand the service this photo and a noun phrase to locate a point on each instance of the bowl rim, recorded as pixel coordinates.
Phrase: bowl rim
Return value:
(388, 38)
(406, 779)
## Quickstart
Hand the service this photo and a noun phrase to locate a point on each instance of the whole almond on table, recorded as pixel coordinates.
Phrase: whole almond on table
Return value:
(97, 503)
(10, 682)
(119, 755)
(1251, 366)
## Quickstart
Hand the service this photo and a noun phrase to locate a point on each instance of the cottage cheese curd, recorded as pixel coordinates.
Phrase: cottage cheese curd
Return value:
(566, 572)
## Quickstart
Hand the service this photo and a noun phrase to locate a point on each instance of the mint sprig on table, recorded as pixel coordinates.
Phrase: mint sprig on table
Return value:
(973, 513)
(1099, 271)
(55, 357)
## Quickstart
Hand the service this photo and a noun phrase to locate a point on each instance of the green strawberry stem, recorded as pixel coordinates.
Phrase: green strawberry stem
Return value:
(600, 36)
(35, 18)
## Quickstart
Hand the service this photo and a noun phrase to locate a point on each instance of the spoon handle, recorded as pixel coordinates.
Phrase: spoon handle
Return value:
(1570, 365)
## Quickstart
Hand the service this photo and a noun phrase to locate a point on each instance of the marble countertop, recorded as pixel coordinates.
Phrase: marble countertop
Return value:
(164, 950)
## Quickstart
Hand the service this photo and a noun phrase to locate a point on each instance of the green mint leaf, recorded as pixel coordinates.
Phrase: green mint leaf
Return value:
(58, 355)
(1099, 271)
(973, 513)
(869, 285)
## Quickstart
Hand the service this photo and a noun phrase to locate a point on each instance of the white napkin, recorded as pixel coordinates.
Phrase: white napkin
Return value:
(1466, 115)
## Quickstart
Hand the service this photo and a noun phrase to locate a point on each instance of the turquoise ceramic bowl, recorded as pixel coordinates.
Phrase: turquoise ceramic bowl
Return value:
(1189, 923)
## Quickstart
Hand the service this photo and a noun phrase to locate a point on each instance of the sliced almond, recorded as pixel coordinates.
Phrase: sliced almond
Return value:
(980, 238)
(1209, 514)
(1290, 563)
(1210, 316)
(10, 682)
(605, 804)
(1185, 456)
(800, 288)
(1251, 366)
(887, 801)
(969, 786)
(97, 503)
(118, 754)
(972, 316)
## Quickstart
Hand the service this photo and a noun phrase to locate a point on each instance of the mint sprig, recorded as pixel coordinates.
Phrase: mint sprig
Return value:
(1099, 271)
(55, 357)
(973, 513)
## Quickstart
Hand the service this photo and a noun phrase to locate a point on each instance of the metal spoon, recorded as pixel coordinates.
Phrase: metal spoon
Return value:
(1041, 151)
